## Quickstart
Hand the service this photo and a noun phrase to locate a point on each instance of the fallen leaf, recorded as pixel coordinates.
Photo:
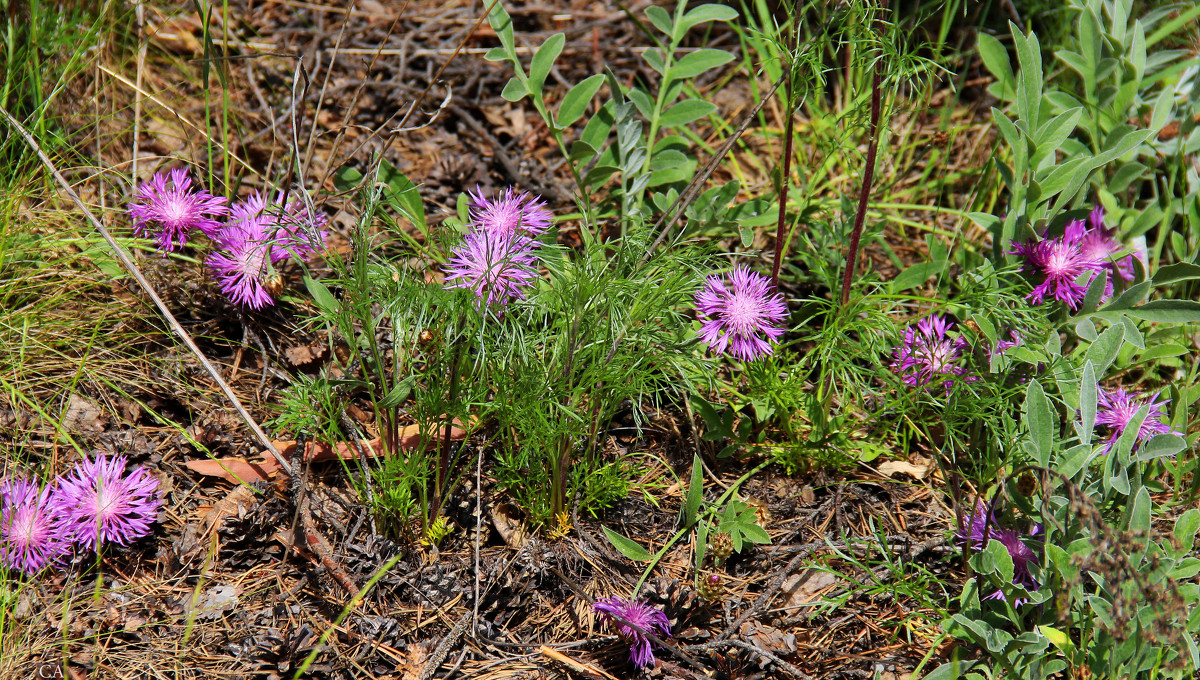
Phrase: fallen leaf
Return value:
(803, 588)
(413, 667)
(507, 520)
(240, 470)
(300, 355)
(83, 415)
(240, 499)
(891, 468)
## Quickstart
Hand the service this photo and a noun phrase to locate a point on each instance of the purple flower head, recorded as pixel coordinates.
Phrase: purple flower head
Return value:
(1060, 264)
(1117, 409)
(241, 263)
(1096, 243)
(1021, 555)
(292, 229)
(644, 617)
(496, 266)
(976, 527)
(928, 354)
(31, 534)
(510, 213)
(166, 209)
(1003, 346)
(737, 310)
(981, 526)
(101, 504)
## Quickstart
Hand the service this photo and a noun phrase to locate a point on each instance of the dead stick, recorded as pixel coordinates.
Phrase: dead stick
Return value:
(162, 307)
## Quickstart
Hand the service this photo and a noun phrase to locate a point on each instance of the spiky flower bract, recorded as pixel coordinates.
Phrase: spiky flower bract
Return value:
(644, 617)
(167, 209)
(31, 532)
(511, 213)
(259, 236)
(496, 266)
(1116, 410)
(740, 314)
(928, 354)
(101, 504)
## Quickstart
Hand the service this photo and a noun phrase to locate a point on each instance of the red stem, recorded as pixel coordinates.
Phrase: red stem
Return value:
(868, 176)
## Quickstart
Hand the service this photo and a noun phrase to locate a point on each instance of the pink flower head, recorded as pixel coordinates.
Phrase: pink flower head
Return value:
(496, 266)
(981, 526)
(101, 504)
(1060, 264)
(167, 209)
(1003, 346)
(928, 354)
(510, 213)
(736, 312)
(1022, 555)
(645, 619)
(260, 235)
(31, 534)
(1117, 409)
(1096, 243)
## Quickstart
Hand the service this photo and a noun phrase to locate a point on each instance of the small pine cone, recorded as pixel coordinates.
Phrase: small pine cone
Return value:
(720, 546)
(711, 587)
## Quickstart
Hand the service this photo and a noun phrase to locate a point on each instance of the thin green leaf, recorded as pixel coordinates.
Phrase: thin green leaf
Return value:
(695, 63)
(627, 547)
(543, 61)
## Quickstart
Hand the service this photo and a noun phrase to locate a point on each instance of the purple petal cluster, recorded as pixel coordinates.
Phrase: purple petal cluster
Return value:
(498, 258)
(645, 619)
(101, 504)
(740, 314)
(1062, 263)
(512, 212)
(167, 208)
(252, 237)
(929, 354)
(31, 528)
(980, 527)
(96, 503)
(1115, 410)
(261, 234)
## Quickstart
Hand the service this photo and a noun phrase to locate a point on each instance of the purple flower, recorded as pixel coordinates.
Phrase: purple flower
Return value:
(260, 235)
(167, 209)
(980, 527)
(1096, 243)
(510, 213)
(101, 504)
(928, 354)
(1116, 410)
(976, 527)
(645, 619)
(1003, 346)
(1021, 555)
(496, 266)
(737, 310)
(31, 533)
(1060, 264)
(293, 230)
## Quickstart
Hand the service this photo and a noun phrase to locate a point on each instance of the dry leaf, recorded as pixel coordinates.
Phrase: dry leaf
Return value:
(240, 470)
(414, 664)
(507, 520)
(890, 468)
(800, 589)
(236, 502)
(83, 415)
(300, 355)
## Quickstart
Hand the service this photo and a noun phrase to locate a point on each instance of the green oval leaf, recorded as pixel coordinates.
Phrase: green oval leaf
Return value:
(695, 63)
(577, 99)
(685, 112)
(543, 61)
(628, 548)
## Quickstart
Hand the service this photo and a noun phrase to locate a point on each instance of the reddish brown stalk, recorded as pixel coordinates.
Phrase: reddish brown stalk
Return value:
(868, 176)
(785, 177)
